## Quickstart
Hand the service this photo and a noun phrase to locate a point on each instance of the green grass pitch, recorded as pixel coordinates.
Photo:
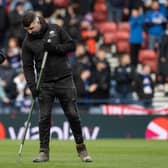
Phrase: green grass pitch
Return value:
(106, 153)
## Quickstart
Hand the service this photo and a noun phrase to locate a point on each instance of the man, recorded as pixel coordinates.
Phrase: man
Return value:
(2, 56)
(56, 80)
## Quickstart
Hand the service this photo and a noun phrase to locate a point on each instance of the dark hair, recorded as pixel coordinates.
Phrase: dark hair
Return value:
(19, 3)
(122, 54)
(28, 18)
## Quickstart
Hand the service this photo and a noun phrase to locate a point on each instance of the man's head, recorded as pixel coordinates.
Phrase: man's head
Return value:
(31, 22)
(101, 54)
(19, 8)
(125, 59)
(155, 5)
(146, 69)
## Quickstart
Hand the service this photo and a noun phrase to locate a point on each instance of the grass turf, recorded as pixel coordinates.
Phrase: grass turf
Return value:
(106, 153)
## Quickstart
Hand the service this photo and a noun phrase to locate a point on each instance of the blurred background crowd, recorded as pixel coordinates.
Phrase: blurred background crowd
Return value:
(121, 51)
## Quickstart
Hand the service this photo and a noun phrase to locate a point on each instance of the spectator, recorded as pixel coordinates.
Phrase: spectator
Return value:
(136, 34)
(130, 5)
(3, 24)
(72, 22)
(89, 35)
(163, 7)
(82, 7)
(14, 53)
(20, 83)
(102, 75)
(135, 4)
(35, 4)
(80, 59)
(102, 79)
(155, 21)
(124, 75)
(80, 62)
(85, 84)
(47, 8)
(163, 60)
(7, 75)
(144, 86)
(15, 22)
(27, 5)
(116, 9)
(3, 96)
(147, 5)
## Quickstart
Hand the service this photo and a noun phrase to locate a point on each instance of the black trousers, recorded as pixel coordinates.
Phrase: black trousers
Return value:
(65, 91)
(134, 53)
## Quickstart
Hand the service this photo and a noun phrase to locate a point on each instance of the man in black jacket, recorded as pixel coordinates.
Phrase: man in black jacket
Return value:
(56, 79)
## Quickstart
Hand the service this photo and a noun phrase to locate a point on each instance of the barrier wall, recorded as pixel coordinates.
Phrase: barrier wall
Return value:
(94, 126)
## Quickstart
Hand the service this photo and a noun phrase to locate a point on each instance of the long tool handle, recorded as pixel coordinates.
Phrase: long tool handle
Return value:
(33, 103)
(26, 127)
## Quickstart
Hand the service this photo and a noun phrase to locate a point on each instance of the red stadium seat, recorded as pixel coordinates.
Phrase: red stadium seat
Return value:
(145, 42)
(100, 11)
(124, 26)
(123, 46)
(149, 57)
(61, 3)
(106, 27)
(122, 35)
(100, 17)
(100, 7)
(147, 54)
(110, 38)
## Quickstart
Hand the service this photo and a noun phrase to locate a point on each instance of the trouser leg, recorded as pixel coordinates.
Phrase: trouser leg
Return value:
(134, 53)
(45, 102)
(67, 98)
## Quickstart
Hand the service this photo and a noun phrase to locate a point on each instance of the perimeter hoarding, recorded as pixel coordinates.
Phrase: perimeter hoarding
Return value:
(94, 126)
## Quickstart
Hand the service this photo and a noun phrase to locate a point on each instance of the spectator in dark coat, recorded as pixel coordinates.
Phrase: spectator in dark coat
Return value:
(102, 79)
(15, 22)
(124, 75)
(80, 60)
(144, 86)
(7, 75)
(163, 60)
(47, 8)
(102, 75)
(85, 84)
(3, 24)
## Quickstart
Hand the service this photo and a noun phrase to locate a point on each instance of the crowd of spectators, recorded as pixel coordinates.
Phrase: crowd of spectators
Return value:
(135, 33)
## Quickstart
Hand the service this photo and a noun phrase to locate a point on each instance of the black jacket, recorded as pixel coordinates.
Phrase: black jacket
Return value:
(57, 65)
(124, 76)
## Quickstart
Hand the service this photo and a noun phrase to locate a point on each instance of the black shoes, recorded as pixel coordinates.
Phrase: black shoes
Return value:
(82, 153)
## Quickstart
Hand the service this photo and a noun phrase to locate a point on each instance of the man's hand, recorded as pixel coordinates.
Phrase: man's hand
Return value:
(35, 93)
(92, 88)
(48, 46)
